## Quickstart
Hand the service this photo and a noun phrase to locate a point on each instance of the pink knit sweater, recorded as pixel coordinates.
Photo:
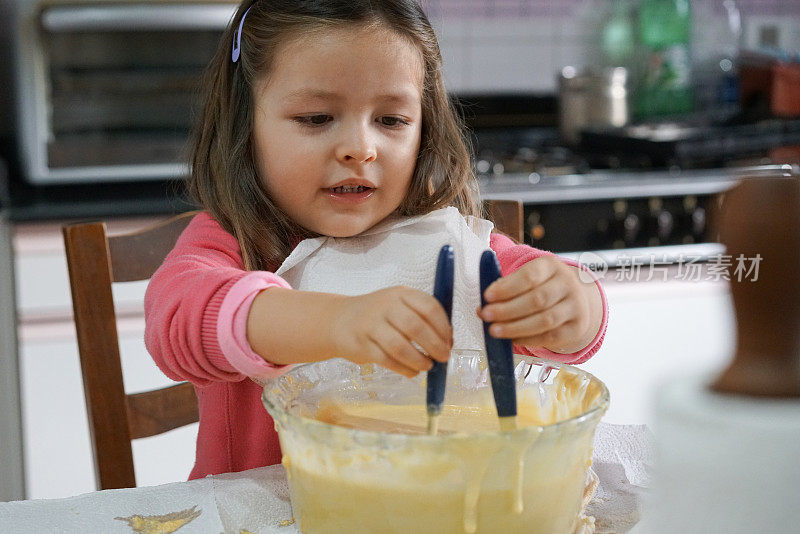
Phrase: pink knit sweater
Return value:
(196, 310)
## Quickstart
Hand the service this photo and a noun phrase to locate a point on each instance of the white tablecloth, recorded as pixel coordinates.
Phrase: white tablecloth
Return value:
(257, 501)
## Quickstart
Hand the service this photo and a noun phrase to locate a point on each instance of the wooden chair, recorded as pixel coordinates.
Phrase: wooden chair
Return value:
(507, 216)
(95, 261)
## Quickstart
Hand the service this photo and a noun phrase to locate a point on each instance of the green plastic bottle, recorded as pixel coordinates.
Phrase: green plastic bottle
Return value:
(618, 39)
(664, 32)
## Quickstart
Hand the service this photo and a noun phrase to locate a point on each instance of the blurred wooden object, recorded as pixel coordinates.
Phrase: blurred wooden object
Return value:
(95, 261)
(760, 222)
(507, 217)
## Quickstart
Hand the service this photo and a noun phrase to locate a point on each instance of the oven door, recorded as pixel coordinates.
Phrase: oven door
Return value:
(112, 87)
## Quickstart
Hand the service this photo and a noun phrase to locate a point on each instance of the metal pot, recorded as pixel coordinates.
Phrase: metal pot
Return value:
(592, 97)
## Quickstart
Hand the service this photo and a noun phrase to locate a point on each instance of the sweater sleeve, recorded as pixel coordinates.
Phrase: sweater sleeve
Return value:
(511, 257)
(196, 308)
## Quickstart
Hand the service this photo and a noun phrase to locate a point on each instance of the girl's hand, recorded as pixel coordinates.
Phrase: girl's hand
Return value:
(544, 304)
(380, 327)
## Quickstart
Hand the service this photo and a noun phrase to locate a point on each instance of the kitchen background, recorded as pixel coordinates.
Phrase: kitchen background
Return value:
(520, 45)
(625, 196)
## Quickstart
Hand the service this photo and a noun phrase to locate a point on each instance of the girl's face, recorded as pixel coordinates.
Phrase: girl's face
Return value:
(337, 127)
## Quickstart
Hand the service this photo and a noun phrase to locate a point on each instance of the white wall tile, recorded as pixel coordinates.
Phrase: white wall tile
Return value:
(788, 29)
(571, 28)
(567, 53)
(503, 53)
(449, 29)
(510, 66)
(455, 61)
(484, 54)
(511, 29)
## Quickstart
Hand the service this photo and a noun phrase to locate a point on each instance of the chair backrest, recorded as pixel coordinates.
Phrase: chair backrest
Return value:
(507, 216)
(95, 261)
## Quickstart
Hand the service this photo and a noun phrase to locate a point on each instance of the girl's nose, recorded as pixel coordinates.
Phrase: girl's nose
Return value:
(357, 145)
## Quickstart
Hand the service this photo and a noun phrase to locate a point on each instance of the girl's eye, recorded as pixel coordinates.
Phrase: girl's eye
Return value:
(393, 121)
(314, 120)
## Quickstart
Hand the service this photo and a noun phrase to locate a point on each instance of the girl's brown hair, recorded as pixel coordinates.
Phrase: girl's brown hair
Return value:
(224, 179)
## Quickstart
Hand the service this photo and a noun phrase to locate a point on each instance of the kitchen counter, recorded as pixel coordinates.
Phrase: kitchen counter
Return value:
(42, 203)
(612, 184)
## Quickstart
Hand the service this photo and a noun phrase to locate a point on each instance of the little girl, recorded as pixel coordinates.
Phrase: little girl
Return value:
(326, 129)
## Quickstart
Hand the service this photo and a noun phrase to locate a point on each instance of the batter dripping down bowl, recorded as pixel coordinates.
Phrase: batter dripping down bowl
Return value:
(359, 459)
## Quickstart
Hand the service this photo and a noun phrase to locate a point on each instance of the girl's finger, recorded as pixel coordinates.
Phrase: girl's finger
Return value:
(397, 347)
(379, 356)
(530, 302)
(526, 278)
(416, 330)
(538, 323)
(431, 311)
(552, 339)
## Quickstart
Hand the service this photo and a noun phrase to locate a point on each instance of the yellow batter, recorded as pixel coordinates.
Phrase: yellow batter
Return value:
(412, 419)
(471, 478)
(573, 395)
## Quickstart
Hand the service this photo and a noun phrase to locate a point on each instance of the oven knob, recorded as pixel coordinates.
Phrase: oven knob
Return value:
(620, 207)
(601, 238)
(535, 226)
(694, 225)
(631, 226)
(615, 226)
(660, 223)
(665, 222)
(698, 223)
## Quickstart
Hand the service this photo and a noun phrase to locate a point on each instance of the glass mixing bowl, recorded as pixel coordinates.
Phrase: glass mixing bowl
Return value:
(528, 480)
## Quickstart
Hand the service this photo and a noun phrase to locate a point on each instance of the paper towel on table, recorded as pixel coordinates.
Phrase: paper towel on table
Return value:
(153, 509)
(257, 500)
(623, 456)
(399, 251)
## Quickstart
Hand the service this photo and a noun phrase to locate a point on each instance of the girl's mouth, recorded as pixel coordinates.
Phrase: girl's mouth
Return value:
(351, 193)
(345, 189)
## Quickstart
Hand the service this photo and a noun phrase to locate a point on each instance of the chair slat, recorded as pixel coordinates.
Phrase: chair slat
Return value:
(154, 412)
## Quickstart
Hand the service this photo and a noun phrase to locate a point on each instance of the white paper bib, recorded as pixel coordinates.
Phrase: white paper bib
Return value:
(399, 252)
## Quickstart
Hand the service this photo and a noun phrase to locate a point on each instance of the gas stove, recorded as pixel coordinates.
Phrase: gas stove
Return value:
(616, 203)
(619, 215)
(530, 154)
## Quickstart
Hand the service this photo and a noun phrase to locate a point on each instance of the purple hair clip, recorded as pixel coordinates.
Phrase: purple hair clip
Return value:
(237, 38)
